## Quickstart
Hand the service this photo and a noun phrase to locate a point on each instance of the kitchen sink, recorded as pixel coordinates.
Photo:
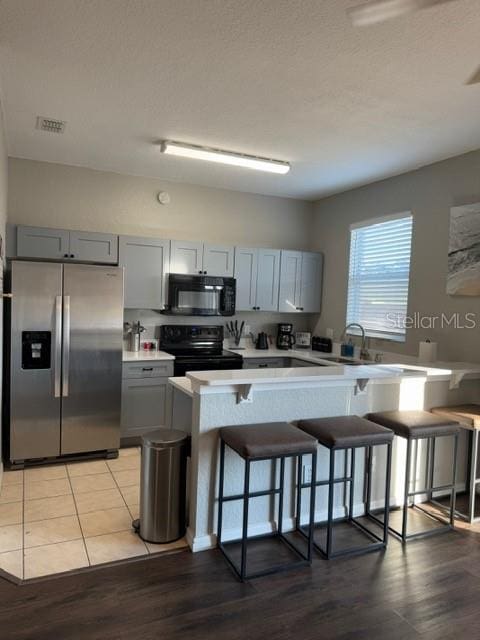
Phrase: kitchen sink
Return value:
(341, 360)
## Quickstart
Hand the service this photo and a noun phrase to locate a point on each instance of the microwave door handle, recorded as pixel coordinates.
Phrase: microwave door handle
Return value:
(57, 351)
(66, 345)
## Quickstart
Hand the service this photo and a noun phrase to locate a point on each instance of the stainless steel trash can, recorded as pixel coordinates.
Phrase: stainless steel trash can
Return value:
(163, 485)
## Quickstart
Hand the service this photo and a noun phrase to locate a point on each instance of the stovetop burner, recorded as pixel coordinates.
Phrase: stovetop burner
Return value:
(197, 348)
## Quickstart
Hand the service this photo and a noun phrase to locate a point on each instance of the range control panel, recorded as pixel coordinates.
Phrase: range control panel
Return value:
(36, 349)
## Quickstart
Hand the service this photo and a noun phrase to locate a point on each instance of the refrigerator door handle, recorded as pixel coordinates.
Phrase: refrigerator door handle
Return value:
(66, 345)
(57, 354)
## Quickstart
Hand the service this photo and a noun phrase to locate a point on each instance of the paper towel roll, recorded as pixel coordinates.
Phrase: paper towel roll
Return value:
(427, 351)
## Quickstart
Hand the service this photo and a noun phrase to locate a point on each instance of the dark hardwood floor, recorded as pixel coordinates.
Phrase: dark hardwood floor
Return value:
(429, 590)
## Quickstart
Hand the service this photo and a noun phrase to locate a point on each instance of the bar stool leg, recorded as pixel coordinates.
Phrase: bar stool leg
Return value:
(432, 469)
(352, 484)
(246, 491)
(406, 491)
(473, 476)
(368, 496)
(331, 494)
(454, 481)
(388, 475)
(280, 495)
(220, 491)
(313, 487)
(299, 492)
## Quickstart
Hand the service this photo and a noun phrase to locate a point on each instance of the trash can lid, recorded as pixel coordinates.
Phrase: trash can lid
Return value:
(164, 438)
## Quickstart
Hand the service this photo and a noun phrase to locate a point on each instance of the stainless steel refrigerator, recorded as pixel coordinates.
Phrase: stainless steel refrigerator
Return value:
(65, 359)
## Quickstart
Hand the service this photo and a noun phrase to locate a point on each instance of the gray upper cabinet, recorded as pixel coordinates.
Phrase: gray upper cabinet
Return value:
(311, 282)
(186, 257)
(61, 244)
(268, 278)
(300, 282)
(246, 263)
(146, 263)
(94, 247)
(218, 260)
(290, 281)
(196, 258)
(257, 273)
(36, 242)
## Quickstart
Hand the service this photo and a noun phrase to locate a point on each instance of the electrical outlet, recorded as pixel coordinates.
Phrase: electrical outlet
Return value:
(307, 473)
(246, 330)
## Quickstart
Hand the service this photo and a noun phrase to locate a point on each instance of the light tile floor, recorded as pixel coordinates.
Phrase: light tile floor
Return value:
(67, 516)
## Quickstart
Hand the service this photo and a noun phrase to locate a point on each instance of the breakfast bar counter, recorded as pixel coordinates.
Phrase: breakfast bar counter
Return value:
(212, 399)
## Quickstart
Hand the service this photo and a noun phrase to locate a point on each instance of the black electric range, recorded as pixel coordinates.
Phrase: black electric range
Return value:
(197, 348)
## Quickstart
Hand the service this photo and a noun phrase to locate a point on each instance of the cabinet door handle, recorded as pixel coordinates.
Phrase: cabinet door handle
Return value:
(200, 272)
(262, 366)
(147, 368)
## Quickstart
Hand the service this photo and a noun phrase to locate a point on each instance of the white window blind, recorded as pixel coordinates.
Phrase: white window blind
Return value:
(378, 275)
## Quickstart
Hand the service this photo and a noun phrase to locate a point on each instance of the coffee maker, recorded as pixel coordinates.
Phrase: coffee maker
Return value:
(285, 337)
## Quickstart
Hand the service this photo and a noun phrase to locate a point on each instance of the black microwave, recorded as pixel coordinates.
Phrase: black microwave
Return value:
(200, 295)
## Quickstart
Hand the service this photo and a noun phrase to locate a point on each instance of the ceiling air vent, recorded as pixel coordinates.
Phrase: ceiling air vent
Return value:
(51, 125)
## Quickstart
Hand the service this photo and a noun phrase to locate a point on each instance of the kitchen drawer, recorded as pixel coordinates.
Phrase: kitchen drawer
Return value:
(264, 363)
(147, 369)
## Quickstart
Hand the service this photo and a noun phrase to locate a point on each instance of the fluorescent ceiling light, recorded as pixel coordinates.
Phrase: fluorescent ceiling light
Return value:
(224, 157)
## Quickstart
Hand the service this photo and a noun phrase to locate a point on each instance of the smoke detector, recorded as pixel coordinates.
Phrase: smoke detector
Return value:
(50, 124)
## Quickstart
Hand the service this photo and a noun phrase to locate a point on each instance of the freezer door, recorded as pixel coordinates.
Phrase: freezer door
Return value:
(92, 358)
(35, 360)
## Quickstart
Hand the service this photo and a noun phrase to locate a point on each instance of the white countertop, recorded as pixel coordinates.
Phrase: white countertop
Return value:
(182, 384)
(301, 374)
(146, 356)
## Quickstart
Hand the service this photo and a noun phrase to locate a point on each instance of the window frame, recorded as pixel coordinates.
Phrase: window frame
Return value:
(372, 333)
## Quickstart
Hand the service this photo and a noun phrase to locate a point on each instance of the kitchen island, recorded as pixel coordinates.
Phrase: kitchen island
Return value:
(212, 399)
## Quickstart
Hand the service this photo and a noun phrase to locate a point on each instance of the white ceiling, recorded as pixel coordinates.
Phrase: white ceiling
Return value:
(288, 79)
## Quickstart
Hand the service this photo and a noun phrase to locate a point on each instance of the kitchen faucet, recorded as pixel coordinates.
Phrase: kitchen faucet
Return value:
(364, 354)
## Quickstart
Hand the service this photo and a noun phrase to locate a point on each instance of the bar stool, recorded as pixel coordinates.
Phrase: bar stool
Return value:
(414, 426)
(468, 416)
(254, 442)
(349, 433)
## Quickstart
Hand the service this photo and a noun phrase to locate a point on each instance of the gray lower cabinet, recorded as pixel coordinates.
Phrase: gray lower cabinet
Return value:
(146, 263)
(61, 244)
(144, 387)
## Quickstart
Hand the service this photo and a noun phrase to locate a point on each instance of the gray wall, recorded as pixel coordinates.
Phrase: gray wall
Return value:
(55, 195)
(429, 193)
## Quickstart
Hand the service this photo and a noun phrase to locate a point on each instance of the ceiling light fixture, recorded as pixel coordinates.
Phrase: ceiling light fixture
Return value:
(224, 157)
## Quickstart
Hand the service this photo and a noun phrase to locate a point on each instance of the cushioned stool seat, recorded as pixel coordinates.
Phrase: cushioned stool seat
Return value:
(275, 441)
(468, 416)
(255, 441)
(414, 426)
(345, 432)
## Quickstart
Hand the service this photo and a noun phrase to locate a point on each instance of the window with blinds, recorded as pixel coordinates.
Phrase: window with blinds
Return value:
(379, 274)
